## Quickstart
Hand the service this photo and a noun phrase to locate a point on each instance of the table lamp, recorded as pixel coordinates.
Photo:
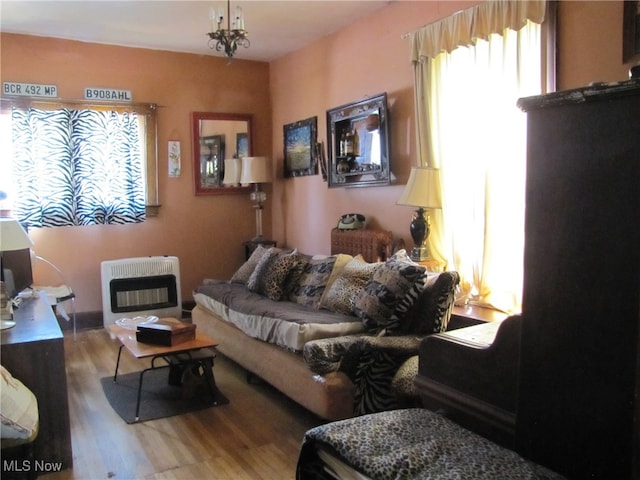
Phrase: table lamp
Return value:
(422, 191)
(12, 237)
(232, 170)
(256, 170)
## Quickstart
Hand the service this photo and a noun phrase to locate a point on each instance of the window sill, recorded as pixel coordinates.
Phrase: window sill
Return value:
(153, 210)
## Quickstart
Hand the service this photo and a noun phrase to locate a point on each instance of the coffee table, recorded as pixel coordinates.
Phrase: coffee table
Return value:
(176, 357)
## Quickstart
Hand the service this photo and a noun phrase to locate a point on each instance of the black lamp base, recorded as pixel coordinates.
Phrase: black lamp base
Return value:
(420, 232)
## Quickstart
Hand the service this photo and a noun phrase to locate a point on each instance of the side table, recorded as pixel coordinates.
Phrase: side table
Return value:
(251, 245)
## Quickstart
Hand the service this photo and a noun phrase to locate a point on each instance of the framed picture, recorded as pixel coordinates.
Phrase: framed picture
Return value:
(300, 148)
(242, 145)
(631, 32)
(209, 132)
(211, 161)
(174, 158)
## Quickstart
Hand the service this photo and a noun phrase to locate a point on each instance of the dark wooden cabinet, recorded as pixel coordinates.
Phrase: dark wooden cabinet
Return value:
(578, 402)
(471, 376)
(33, 351)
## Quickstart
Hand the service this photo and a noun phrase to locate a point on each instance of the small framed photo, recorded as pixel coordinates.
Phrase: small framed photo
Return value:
(242, 145)
(300, 148)
(174, 158)
(631, 32)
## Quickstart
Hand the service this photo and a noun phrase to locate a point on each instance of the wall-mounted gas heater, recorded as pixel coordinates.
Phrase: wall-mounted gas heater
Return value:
(140, 286)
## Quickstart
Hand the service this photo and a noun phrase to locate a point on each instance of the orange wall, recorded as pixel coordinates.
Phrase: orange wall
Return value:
(205, 232)
(367, 58)
(590, 43)
(370, 57)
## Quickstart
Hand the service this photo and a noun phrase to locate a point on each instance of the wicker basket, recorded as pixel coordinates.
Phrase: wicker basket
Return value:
(373, 245)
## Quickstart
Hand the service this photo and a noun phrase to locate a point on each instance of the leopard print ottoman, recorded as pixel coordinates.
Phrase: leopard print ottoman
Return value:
(416, 444)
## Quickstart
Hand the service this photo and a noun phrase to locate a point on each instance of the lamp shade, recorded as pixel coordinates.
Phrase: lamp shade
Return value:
(256, 170)
(13, 236)
(422, 189)
(232, 169)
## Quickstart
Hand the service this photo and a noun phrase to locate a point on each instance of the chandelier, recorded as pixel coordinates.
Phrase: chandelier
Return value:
(230, 38)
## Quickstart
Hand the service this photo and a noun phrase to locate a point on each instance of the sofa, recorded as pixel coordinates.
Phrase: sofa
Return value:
(329, 331)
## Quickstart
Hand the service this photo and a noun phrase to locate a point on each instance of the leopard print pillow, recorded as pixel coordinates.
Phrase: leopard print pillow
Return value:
(269, 277)
(341, 295)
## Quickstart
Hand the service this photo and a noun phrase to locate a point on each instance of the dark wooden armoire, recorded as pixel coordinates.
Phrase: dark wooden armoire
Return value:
(578, 406)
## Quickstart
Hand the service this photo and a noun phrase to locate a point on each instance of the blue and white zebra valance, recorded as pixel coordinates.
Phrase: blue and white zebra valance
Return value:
(77, 167)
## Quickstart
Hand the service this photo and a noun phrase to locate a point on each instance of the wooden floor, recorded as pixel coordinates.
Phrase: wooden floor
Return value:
(256, 436)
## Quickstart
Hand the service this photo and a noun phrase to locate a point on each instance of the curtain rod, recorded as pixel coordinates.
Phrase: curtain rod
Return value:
(21, 101)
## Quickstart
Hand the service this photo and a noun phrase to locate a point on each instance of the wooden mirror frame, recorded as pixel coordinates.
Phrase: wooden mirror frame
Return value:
(355, 171)
(226, 137)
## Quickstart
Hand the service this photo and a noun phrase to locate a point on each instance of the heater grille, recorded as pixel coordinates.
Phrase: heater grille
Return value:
(145, 296)
(141, 286)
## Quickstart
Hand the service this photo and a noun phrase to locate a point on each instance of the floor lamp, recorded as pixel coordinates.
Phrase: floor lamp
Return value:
(256, 171)
(423, 191)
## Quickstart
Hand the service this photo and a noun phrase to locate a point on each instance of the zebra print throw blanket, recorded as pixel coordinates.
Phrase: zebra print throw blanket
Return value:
(370, 362)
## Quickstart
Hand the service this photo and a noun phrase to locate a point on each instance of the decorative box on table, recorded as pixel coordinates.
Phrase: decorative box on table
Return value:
(166, 332)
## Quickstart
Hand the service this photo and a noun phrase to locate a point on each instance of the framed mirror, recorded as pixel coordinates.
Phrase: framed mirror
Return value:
(358, 144)
(220, 140)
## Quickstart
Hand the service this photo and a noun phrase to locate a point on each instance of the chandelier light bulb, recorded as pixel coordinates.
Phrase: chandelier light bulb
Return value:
(228, 39)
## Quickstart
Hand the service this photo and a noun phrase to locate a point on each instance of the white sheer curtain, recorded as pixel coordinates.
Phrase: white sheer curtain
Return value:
(470, 127)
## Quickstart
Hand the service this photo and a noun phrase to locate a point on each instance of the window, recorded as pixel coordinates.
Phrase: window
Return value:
(472, 130)
(7, 185)
(78, 164)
